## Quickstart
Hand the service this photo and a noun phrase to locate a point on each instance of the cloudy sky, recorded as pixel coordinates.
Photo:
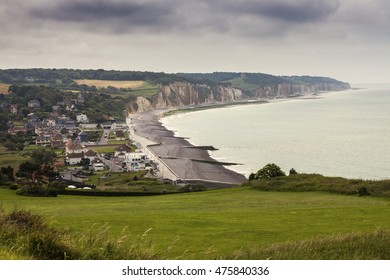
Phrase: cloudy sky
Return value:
(345, 39)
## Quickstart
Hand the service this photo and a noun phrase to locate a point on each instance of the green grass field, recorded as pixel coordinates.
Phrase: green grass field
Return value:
(241, 84)
(211, 224)
(11, 158)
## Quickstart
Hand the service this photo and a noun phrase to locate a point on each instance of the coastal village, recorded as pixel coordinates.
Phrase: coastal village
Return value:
(81, 146)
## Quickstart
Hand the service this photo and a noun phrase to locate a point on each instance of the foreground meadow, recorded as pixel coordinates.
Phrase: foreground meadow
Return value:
(226, 223)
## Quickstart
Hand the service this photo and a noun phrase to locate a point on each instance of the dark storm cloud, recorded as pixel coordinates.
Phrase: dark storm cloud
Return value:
(290, 11)
(101, 11)
(184, 15)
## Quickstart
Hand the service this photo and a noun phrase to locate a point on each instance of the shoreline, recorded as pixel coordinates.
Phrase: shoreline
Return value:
(178, 159)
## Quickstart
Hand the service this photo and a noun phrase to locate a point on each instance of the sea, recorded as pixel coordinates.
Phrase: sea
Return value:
(344, 133)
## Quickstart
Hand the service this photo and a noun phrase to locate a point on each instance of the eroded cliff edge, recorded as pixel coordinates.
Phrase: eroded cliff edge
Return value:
(180, 94)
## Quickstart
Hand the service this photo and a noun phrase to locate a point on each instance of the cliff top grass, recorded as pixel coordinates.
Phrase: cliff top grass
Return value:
(316, 182)
(223, 223)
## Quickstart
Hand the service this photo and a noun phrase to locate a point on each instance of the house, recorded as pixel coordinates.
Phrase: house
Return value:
(136, 161)
(43, 140)
(120, 135)
(74, 147)
(91, 155)
(98, 166)
(96, 160)
(83, 136)
(13, 109)
(70, 179)
(82, 118)
(49, 123)
(88, 125)
(57, 141)
(74, 158)
(119, 126)
(70, 124)
(122, 150)
(33, 104)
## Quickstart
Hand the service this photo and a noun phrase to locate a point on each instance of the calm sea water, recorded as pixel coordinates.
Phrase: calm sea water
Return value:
(337, 134)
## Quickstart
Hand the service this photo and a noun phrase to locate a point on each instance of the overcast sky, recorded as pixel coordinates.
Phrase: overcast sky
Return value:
(345, 39)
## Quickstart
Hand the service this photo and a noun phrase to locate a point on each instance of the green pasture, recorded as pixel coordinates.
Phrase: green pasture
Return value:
(209, 224)
(147, 90)
(241, 84)
(11, 158)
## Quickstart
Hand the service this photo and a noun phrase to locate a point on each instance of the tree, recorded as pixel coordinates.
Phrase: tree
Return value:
(85, 162)
(50, 173)
(293, 171)
(32, 173)
(270, 170)
(7, 173)
(43, 157)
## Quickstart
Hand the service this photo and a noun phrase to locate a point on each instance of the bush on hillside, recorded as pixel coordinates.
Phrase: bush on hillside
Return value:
(271, 170)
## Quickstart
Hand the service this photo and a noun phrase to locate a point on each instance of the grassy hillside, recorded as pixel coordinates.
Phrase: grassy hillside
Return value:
(218, 224)
(316, 182)
(11, 158)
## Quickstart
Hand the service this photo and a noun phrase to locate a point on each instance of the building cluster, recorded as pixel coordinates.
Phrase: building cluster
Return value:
(123, 159)
(65, 128)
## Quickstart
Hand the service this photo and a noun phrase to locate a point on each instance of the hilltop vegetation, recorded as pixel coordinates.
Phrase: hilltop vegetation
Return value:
(272, 178)
(65, 78)
(202, 225)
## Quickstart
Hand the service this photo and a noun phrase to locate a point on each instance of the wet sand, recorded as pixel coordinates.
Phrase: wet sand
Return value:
(188, 162)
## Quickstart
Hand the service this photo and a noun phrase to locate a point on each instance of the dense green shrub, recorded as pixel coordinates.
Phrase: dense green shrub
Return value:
(271, 170)
(42, 191)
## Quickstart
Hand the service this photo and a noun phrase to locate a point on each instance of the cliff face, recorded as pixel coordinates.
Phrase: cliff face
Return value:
(179, 94)
(286, 90)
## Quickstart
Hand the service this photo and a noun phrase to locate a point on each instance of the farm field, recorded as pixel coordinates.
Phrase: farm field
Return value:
(138, 88)
(4, 88)
(109, 83)
(206, 225)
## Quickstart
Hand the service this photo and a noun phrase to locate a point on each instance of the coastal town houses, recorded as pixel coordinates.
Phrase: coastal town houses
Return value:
(70, 178)
(43, 140)
(83, 137)
(74, 158)
(120, 135)
(82, 118)
(119, 126)
(91, 155)
(122, 150)
(74, 147)
(33, 104)
(57, 141)
(136, 161)
(97, 164)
